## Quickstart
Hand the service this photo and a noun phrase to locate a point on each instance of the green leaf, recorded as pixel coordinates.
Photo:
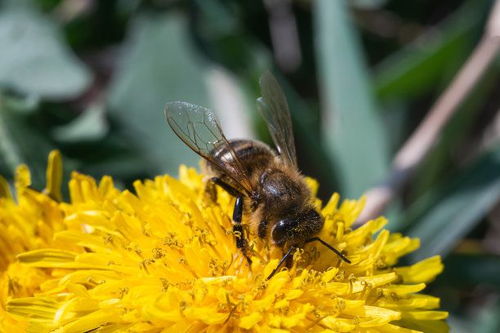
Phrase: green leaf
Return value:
(21, 141)
(483, 319)
(447, 212)
(487, 319)
(91, 125)
(470, 270)
(34, 59)
(368, 4)
(216, 19)
(417, 68)
(352, 129)
(160, 65)
(442, 158)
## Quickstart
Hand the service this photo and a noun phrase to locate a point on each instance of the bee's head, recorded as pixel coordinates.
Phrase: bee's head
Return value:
(298, 228)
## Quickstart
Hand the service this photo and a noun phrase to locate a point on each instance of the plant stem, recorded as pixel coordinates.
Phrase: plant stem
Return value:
(8, 150)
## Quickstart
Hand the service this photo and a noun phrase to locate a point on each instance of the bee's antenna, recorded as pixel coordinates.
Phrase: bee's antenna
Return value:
(283, 259)
(337, 252)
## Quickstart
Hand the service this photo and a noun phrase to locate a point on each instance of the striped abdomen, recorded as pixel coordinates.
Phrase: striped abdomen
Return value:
(253, 155)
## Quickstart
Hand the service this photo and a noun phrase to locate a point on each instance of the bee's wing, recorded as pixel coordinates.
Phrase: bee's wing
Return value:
(199, 129)
(274, 108)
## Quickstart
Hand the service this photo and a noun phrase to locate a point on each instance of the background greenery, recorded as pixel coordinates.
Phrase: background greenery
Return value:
(91, 78)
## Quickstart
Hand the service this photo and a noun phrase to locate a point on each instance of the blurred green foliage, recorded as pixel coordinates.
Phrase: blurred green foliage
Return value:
(91, 79)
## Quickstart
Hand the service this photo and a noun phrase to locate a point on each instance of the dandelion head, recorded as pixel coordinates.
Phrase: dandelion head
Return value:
(163, 258)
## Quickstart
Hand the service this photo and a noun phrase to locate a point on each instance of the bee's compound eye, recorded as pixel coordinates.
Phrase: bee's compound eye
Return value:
(283, 231)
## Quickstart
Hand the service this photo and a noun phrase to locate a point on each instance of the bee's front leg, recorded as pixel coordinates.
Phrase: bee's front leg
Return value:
(241, 241)
(284, 260)
(238, 231)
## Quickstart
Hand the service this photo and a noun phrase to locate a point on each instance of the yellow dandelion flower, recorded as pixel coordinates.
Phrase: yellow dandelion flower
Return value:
(163, 259)
(27, 222)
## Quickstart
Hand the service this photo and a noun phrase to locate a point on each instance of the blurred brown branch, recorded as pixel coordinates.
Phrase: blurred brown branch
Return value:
(427, 133)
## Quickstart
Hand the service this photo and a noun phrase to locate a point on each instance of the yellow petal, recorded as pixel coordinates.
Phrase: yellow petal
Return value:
(22, 178)
(423, 271)
(247, 322)
(425, 315)
(54, 176)
(5, 189)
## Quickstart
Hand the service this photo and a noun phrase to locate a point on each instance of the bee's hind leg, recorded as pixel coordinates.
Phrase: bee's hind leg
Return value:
(239, 234)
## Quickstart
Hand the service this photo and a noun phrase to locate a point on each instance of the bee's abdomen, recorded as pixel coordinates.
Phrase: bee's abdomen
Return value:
(253, 155)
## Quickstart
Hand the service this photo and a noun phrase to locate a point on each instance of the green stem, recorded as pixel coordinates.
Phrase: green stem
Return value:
(8, 150)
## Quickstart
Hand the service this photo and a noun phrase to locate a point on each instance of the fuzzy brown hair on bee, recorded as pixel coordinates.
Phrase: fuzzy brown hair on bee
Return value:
(282, 209)
(266, 183)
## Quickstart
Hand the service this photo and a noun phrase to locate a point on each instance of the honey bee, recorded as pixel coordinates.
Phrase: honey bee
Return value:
(266, 183)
